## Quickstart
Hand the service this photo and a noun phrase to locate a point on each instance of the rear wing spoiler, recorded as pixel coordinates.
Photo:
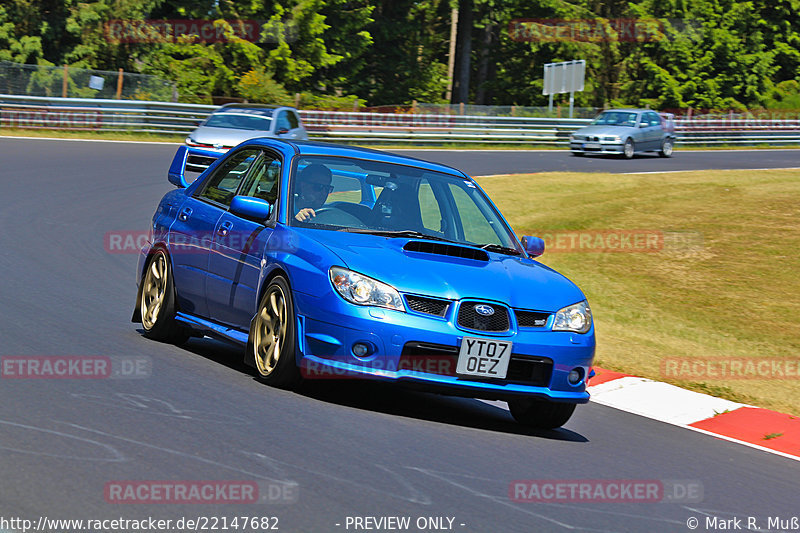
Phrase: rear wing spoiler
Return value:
(191, 160)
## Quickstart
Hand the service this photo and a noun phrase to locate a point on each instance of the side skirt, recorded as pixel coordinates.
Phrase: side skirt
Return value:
(212, 329)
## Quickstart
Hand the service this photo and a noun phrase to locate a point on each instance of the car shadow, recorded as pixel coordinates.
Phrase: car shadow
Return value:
(397, 400)
(390, 398)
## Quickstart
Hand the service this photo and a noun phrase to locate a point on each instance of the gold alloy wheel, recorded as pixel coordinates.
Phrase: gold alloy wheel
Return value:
(154, 290)
(270, 331)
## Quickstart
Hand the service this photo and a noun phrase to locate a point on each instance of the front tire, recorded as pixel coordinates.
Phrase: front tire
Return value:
(157, 302)
(629, 149)
(541, 414)
(273, 337)
(667, 146)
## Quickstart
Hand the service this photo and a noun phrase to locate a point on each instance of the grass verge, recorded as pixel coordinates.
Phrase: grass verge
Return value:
(726, 287)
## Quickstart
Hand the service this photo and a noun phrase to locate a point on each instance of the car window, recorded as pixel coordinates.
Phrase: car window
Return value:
(239, 121)
(283, 122)
(615, 118)
(429, 208)
(477, 227)
(359, 195)
(655, 120)
(294, 121)
(263, 180)
(221, 187)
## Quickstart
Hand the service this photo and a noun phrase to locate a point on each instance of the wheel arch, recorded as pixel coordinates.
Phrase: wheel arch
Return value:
(274, 273)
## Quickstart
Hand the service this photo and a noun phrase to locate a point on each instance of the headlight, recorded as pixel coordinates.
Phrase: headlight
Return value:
(577, 318)
(362, 290)
(614, 139)
(188, 140)
(571, 138)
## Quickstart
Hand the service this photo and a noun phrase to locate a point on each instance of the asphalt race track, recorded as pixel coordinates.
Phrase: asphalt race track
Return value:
(478, 163)
(330, 452)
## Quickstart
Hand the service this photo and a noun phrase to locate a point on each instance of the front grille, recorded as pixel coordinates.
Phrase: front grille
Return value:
(441, 359)
(429, 306)
(438, 248)
(531, 319)
(468, 317)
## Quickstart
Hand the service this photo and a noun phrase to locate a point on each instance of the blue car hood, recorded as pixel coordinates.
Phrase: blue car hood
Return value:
(521, 283)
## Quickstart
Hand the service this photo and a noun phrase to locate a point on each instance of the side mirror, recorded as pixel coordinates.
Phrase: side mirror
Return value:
(533, 245)
(252, 208)
(282, 131)
(176, 169)
(644, 124)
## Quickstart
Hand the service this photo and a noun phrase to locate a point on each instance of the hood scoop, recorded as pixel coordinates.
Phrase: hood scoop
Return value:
(440, 248)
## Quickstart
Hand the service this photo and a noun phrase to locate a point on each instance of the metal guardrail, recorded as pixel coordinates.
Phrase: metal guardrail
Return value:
(180, 119)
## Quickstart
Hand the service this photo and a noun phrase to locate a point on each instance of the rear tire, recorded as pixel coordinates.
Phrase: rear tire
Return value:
(541, 414)
(157, 302)
(273, 337)
(667, 145)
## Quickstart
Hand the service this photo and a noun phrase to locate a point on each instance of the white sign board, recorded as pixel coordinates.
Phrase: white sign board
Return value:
(96, 82)
(564, 77)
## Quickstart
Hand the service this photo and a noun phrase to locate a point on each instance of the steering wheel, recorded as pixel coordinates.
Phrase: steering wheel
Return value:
(336, 217)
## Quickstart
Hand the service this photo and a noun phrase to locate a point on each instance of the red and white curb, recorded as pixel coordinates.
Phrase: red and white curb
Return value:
(755, 427)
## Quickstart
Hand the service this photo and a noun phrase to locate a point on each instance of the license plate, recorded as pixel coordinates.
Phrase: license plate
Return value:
(486, 358)
(591, 146)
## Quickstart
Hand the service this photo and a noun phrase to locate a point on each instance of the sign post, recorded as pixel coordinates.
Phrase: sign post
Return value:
(564, 77)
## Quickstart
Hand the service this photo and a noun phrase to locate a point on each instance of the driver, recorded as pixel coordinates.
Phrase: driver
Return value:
(312, 190)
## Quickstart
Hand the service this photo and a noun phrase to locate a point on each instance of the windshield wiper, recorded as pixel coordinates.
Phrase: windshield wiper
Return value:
(399, 233)
(499, 248)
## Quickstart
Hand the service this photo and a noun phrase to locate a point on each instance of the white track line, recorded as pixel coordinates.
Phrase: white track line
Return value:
(88, 140)
(702, 170)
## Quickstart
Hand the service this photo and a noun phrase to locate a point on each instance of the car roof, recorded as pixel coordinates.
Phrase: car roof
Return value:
(244, 105)
(340, 150)
(630, 110)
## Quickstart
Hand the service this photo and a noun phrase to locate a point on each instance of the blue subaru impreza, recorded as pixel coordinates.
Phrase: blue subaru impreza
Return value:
(326, 261)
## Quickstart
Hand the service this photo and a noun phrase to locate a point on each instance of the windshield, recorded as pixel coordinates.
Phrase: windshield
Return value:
(615, 118)
(239, 121)
(343, 194)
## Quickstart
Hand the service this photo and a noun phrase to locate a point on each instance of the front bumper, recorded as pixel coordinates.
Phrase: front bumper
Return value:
(594, 147)
(421, 350)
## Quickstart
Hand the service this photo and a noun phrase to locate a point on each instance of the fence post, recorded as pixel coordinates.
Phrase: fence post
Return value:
(297, 100)
(64, 83)
(119, 85)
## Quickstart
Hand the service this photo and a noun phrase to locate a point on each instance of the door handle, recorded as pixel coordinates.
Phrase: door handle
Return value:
(224, 228)
(185, 213)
